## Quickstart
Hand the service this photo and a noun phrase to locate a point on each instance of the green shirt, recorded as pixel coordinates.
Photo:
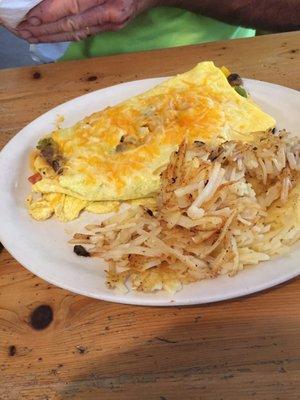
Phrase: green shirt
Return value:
(158, 28)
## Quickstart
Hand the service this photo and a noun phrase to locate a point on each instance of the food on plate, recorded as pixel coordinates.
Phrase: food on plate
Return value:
(118, 154)
(221, 207)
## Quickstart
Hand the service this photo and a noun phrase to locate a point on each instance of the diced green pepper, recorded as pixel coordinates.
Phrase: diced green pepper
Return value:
(241, 91)
(48, 141)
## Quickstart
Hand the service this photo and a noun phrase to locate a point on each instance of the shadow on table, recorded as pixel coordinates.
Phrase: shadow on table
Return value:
(229, 350)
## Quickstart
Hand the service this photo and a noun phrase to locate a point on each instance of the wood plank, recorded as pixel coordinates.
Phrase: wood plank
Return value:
(111, 351)
(241, 349)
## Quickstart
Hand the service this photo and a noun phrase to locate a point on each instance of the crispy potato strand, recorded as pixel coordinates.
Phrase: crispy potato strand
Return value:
(215, 215)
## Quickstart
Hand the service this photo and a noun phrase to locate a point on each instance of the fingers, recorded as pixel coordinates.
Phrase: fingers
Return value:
(105, 14)
(53, 10)
(17, 33)
(75, 35)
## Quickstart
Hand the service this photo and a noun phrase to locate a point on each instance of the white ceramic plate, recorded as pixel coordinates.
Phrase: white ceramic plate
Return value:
(42, 247)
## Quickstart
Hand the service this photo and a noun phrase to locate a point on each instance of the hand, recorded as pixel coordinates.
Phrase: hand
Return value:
(70, 20)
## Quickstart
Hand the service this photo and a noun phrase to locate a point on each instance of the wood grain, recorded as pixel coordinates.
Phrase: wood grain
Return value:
(242, 349)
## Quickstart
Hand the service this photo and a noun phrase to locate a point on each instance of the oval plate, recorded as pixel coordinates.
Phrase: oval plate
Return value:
(42, 247)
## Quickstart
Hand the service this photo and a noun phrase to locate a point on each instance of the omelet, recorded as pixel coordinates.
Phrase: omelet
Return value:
(118, 154)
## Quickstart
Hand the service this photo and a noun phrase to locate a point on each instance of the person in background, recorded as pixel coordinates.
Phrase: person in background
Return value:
(104, 27)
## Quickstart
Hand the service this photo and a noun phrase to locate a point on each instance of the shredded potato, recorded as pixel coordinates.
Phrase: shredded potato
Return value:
(220, 208)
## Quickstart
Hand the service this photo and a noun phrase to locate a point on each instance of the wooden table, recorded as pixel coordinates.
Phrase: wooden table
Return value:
(243, 349)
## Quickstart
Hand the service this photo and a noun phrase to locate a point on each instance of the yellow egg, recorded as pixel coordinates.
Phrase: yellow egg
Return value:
(102, 207)
(69, 208)
(225, 71)
(40, 210)
(116, 154)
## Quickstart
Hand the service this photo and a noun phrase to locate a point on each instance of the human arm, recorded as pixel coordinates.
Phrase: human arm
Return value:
(63, 20)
